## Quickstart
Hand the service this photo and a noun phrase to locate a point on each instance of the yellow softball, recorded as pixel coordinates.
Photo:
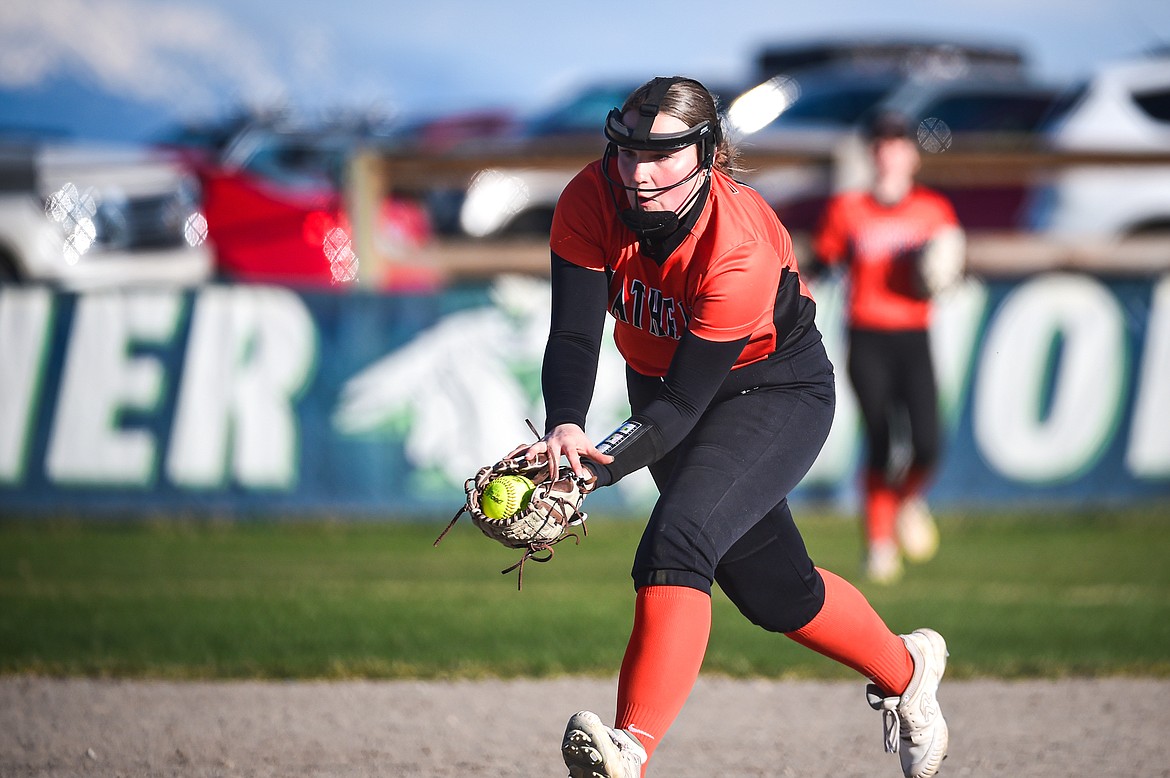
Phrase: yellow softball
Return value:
(505, 496)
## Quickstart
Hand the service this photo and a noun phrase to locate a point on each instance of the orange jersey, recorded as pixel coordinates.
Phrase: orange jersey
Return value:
(727, 280)
(880, 244)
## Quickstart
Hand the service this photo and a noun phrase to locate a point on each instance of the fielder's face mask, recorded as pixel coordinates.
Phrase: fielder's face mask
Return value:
(652, 225)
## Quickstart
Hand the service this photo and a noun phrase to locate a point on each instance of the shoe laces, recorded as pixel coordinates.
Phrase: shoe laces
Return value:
(889, 708)
(630, 749)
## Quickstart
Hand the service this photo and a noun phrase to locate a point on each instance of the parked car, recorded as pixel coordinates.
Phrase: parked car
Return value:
(816, 111)
(807, 111)
(1123, 109)
(276, 211)
(937, 57)
(970, 114)
(811, 91)
(83, 216)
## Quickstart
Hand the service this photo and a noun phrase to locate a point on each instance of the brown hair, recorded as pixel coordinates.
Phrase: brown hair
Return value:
(691, 102)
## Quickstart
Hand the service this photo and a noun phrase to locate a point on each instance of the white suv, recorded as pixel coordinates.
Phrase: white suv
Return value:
(82, 217)
(1124, 108)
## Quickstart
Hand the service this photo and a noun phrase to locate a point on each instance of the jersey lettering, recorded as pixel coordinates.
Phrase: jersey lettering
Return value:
(638, 293)
(648, 308)
(662, 315)
(884, 239)
(617, 307)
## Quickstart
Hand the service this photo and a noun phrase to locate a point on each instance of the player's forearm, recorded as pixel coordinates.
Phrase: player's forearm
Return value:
(697, 371)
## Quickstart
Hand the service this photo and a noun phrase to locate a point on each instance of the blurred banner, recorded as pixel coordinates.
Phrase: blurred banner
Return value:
(262, 401)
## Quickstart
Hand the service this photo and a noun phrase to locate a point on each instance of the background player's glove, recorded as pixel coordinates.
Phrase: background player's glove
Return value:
(941, 261)
(539, 524)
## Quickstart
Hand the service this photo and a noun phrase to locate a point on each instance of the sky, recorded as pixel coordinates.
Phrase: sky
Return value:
(445, 56)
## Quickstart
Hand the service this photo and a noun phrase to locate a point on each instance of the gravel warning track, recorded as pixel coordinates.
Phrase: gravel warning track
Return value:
(51, 727)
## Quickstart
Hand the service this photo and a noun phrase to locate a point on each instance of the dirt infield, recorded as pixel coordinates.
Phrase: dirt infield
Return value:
(513, 728)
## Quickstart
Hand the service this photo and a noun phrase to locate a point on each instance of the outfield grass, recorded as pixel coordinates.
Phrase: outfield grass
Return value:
(1015, 596)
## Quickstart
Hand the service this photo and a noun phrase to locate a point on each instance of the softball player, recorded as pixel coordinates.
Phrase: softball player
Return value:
(732, 398)
(879, 235)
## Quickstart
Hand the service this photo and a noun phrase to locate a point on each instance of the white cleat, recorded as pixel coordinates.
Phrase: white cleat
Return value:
(917, 533)
(593, 750)
(913, 724)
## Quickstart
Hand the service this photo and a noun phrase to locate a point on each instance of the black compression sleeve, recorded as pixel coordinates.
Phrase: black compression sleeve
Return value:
(697, 370)
(574, 342)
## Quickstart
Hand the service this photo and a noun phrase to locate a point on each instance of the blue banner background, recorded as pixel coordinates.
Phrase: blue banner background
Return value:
(256, 401)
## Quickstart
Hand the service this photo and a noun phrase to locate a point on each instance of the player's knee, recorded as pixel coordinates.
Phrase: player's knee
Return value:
(776, 604)
(783, 616)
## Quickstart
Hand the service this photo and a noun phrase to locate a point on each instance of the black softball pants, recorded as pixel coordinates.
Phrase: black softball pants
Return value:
(723, 514)
(893, 373)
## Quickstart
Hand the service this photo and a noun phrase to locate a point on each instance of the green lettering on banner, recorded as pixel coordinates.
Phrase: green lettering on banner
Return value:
(250, 354)
(25, 322)
(101, 380)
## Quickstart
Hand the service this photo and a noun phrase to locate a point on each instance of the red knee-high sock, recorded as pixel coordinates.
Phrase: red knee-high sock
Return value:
(666, 648)
(881, 508)
(850, 631)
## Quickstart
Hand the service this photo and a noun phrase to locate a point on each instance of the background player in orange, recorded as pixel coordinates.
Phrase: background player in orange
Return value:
(732, 398)
(899, 243)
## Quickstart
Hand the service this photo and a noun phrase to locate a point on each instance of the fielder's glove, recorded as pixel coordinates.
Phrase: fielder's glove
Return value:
(939, 265)
(555, 505)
